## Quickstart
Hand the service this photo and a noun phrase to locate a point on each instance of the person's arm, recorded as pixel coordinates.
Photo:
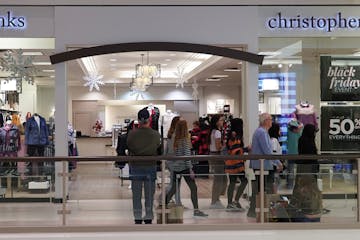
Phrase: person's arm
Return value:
(265, 144)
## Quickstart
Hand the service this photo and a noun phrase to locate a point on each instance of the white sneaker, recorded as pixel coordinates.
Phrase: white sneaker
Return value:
(217, 205)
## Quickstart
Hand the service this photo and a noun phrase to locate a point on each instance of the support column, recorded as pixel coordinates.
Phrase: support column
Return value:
(61, 106)
(250, 97)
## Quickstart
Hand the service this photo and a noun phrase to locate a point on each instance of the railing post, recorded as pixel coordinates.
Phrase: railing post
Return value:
(64, 176)
(163, 204)
(262, 188)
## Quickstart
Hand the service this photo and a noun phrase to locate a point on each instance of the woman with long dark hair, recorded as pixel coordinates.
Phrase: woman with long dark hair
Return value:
(307, 198)
(235, 168)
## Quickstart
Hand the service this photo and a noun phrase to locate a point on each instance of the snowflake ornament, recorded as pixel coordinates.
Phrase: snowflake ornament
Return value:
(195, 93)
(180, 74)
(93, 81)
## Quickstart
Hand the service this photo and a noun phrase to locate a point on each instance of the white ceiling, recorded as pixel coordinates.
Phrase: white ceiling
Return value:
(120, 67)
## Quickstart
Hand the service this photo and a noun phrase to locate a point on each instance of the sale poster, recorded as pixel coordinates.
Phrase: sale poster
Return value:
(340, 78)
(340, 128)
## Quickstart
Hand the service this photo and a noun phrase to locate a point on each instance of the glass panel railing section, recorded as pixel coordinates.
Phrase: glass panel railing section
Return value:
(323, 191)
(27, 198)
(99, 194)
(205, 197)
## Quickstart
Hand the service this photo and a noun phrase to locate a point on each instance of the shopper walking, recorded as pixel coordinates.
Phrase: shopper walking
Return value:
(235, 168)
(169, 150)
(261, 144)
(143, 141)
(216, 146)
(274, 133)
(183, 168)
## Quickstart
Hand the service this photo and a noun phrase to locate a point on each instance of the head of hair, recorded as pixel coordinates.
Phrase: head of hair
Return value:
(181, 132)
(274, 130)
(204, 123)
(237, 125)
(309, 131)
(263, 117)
(214, 121)
(197, 123)
(174, 121)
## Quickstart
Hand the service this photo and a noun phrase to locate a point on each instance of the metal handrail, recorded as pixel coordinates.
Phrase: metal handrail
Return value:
(191, 157)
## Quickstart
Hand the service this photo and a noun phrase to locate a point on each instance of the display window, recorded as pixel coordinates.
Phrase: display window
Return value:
(312, 80)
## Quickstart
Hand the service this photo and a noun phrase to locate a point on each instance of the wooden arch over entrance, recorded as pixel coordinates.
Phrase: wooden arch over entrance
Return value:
(156, 46)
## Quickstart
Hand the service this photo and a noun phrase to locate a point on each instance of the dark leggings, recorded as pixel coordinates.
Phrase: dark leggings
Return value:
(189, 181)
(240, 189)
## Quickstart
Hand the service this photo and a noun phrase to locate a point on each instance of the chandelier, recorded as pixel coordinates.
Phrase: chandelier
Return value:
(144, 75)
(19, 66)
(147, 70)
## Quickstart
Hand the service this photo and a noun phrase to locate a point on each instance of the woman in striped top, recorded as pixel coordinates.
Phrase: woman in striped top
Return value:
(183, 168)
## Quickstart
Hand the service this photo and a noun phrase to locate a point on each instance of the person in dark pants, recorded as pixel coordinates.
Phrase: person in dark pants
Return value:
(261, 144)
(306, 197)
(235, 168)
(143, 141)
(181, 168)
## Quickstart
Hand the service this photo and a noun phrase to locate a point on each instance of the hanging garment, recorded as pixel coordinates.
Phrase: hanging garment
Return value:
(36, 134)
(9, 139)
(306, 114)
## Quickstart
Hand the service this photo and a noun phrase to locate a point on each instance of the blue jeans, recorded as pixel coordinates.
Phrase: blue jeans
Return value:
(143, 176)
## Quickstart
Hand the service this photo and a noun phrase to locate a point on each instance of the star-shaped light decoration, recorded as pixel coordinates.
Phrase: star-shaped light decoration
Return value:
(93, 81)
(180, 74)
(195, 93)
(19, 66)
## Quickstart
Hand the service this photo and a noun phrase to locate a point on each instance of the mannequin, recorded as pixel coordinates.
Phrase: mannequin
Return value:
(305, 113)
(9, 145)
(166, 121)
(294, 130)
(9, 139)
(36, 137)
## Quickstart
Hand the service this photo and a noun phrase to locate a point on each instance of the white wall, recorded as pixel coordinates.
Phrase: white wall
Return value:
(27, 99)
(46, 101)
(225, 92)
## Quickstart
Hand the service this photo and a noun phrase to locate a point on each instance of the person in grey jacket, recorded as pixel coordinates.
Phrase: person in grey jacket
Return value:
(183, 168)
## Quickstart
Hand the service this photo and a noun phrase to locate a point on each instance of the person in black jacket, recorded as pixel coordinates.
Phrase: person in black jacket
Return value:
(306, 197)
(307, 145)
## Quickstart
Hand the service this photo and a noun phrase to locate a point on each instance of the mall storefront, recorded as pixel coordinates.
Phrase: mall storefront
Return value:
(305, 47)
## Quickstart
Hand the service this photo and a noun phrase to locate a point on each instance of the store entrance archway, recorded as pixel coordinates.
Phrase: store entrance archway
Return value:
(157, 46)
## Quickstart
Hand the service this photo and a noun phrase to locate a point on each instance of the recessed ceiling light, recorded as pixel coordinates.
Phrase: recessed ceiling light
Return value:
(32, 53)
(212, 79)
(168, 60)
(41, 63)
(239, 62)
(172, 54)
(113, 60)
(48, 70)
(269, 53)
(220, 76)
(52, 76)
(232, 70)
(164, 64)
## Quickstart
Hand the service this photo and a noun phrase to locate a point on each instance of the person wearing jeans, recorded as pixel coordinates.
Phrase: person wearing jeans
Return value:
(261, 144)
(143, 141)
